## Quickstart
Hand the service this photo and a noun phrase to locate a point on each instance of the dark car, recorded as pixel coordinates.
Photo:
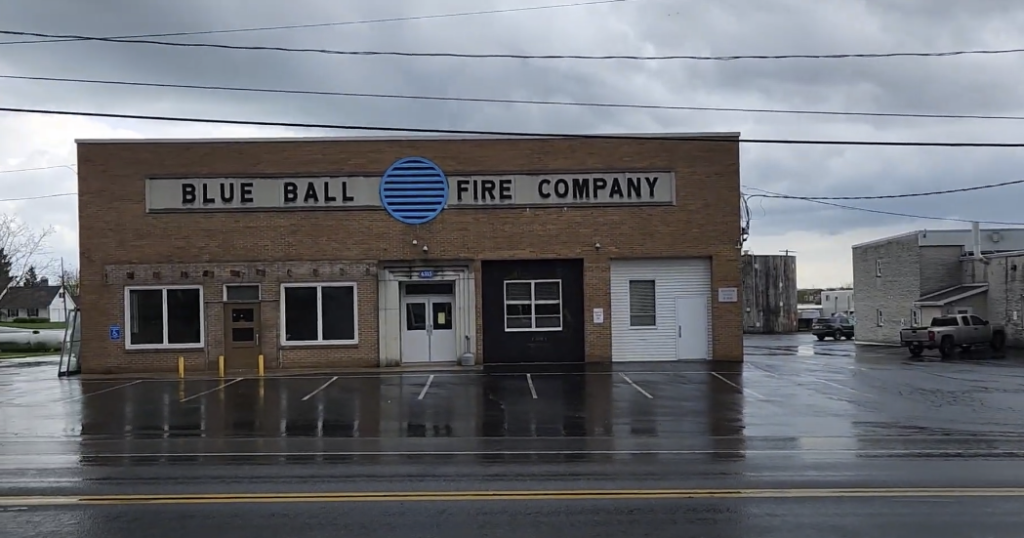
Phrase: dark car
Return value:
(837, 327)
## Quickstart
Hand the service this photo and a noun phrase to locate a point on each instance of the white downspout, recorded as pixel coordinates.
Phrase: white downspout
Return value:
(976, 242)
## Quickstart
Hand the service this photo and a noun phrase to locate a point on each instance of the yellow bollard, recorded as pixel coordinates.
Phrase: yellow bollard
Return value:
(181, 367)
(259, 365)
(220, 365)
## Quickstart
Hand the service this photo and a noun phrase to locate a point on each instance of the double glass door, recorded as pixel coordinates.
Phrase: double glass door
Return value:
(428, 329)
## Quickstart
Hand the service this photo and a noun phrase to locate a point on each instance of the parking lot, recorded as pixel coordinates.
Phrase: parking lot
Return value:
(793, 394)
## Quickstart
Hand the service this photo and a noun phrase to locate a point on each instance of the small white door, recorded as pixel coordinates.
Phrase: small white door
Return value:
(442, 330)
(692, 327)
(428, 329)
(415, 338)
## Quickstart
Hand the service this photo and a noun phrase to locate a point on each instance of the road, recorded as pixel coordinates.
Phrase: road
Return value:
(806, 438)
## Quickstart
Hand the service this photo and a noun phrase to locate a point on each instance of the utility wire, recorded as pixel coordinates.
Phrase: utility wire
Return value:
(39, 197)
(881, 212)
(328, 24)
(506, 101)
(889, 196)
(510, 134)
(38, 168)
(466, 55)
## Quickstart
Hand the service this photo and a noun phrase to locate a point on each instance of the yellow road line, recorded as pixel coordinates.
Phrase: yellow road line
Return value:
(453, 496)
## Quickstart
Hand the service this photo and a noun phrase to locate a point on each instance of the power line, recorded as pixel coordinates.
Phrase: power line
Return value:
(38, 168)
(328, 24)
(38, 197)
(510, 134)
(889, 196)
(891, 213)
(467, 55)
(505, 101)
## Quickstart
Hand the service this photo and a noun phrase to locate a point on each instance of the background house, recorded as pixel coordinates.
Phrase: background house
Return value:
(906, 280)
(43, 302)
(836, 302)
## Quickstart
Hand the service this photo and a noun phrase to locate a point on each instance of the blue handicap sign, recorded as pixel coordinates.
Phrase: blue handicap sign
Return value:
(115, 332)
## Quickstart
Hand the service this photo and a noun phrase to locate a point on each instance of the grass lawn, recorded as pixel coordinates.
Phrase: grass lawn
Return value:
(48, 325)
(25, 354)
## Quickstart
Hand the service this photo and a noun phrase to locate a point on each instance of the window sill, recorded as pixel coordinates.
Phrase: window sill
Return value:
(308, 345)
(644, 328)
(165, 347)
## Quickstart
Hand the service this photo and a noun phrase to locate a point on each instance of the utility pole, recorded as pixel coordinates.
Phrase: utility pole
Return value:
(787, 252)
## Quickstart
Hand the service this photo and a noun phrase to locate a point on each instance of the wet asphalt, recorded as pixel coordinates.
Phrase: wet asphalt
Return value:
(806, 438)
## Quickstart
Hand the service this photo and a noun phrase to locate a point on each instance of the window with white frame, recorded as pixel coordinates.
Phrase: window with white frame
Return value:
(319, 313)
(533, 305)
(878, 267)
(879, 319)
(642, 304)
(241, 292)
(170, 316)
(12, 313)
(33, 312)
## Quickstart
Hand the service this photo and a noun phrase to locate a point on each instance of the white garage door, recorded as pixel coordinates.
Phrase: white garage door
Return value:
(661, 309)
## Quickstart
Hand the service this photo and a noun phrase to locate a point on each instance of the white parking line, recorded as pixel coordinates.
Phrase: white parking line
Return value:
(84, 395)
(232, 382)
(635, 386)
(744, 390)
(533, 391)
(322, 387)
(837, 385)
(426, 387)
(765, 370)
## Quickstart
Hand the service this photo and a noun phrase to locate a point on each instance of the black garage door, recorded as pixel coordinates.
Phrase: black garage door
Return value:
(533, 311)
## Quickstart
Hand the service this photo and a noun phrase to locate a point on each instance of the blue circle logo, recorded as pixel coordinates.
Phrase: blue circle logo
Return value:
(414, 190)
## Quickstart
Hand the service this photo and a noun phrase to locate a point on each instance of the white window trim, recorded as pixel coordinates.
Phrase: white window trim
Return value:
(532, 302)
(878, 268)
(879, 318)
(629, 305)
(128, 318)
(319, 314)
(242, 284)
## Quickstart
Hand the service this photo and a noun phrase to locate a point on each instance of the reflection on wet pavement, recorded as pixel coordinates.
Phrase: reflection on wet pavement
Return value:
(799, 414)
(793, 396)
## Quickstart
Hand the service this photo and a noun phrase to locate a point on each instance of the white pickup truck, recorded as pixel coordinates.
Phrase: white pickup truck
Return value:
(947, 332)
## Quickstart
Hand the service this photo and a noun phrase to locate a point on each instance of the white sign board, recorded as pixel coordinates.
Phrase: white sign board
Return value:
(728, 295)
(598, 316)
(354, 192)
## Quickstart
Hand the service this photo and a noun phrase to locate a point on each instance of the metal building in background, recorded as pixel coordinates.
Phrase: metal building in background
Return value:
(769, 294)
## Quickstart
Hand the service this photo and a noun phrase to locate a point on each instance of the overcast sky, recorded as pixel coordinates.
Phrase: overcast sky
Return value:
(821, 235)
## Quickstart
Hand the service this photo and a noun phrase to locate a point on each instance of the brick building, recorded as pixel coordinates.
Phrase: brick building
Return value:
(907, 279)
(361, 252)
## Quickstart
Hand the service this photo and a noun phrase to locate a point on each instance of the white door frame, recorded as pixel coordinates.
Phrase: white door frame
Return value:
(389, 297)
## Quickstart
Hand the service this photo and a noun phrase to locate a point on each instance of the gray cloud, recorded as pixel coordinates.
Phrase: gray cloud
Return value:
(973, 84)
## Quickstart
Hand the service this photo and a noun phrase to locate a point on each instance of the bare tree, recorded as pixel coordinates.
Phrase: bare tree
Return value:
(25, 246)
(70, 279)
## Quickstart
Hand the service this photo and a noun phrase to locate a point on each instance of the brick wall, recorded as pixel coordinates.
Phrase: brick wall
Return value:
(940, 268)
(1005, 292)
(894, 292)
(116, 232)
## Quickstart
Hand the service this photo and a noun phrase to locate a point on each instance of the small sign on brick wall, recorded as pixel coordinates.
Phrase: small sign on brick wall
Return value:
(728, 295)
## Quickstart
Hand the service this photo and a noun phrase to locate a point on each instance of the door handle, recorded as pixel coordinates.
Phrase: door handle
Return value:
(257, 338)
(680, 331)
